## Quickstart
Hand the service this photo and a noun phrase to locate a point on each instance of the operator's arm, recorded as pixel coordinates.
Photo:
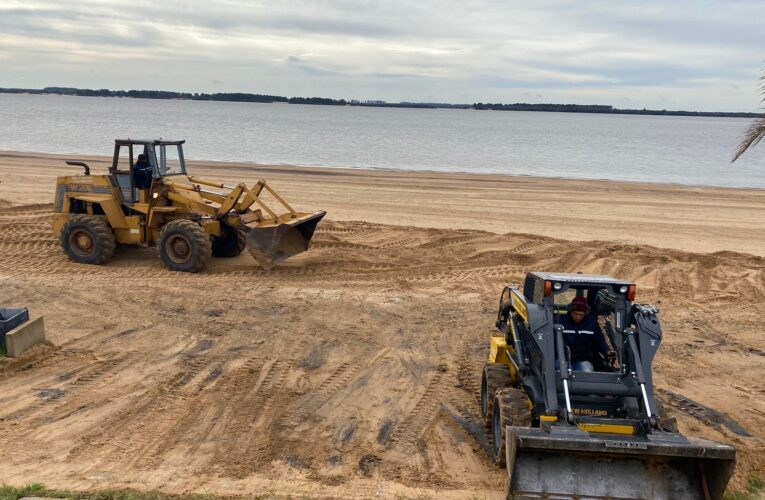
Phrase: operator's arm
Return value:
(598, 342)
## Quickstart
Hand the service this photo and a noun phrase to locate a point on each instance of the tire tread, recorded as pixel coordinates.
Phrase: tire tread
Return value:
(231, 244)
(201, 240)
(103, 235)
(497, 376)
(514, 410)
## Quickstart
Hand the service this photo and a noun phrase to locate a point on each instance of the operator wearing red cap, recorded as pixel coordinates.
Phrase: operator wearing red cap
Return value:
(583, 336)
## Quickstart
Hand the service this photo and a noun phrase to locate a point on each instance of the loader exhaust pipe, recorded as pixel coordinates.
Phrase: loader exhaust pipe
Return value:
(569, 463)
(273, 243)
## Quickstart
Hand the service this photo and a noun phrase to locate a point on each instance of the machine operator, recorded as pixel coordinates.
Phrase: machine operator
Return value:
(584, 337)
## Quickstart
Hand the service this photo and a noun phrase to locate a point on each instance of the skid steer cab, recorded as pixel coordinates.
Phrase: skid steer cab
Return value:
(568, 429)
(147, 198)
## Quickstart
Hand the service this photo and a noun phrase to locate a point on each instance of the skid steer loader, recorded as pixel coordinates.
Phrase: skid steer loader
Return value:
(148, 198)
(564, 433)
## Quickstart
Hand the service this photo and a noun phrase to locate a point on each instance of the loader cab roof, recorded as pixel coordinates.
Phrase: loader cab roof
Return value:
(578, 279)
(126, 142)
(541, 285)
(165, 157)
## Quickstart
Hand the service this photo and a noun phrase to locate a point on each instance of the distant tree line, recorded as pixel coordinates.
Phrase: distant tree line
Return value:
(245, 97)
(560, 108)
(596, 108)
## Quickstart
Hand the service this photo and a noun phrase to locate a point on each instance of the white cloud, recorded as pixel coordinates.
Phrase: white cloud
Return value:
(655, 53)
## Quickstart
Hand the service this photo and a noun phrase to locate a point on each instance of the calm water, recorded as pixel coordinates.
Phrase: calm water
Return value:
(685, 150)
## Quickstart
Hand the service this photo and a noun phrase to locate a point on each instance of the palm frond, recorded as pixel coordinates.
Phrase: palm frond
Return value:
(756, 131)
(753, 135)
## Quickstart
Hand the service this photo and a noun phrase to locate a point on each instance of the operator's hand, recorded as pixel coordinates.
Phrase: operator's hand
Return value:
(611, 355)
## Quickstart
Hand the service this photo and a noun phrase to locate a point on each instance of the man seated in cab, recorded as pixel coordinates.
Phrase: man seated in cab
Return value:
(584, 337)
(142, 173)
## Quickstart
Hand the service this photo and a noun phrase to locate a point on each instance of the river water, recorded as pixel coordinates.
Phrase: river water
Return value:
(666, 149)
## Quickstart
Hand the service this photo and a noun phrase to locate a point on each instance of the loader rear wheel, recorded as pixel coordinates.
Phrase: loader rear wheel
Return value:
(511, 407)
(230, 243)
(495, 376)
(87, 239)
(184, 246)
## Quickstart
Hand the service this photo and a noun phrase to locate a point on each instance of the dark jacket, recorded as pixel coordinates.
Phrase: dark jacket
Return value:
(584, 339)
(142, 174)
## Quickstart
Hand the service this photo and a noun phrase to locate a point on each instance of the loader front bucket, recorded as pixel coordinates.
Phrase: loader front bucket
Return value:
(271, 244)
(567, 463)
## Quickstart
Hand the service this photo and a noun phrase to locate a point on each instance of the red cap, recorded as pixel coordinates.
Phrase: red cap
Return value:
(579, 304)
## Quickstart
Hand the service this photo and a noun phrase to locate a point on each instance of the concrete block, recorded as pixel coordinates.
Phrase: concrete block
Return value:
(24, 336)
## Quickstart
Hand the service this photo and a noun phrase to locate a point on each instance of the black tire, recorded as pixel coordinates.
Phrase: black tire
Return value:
(230, 243)
(495, 376)
(511, 407)
(88, 239)
(184, 246)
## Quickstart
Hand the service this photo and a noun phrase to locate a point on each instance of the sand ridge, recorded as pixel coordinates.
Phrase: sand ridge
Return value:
(349, 371)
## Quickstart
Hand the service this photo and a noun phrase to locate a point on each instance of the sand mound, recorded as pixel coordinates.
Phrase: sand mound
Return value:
(349, 371)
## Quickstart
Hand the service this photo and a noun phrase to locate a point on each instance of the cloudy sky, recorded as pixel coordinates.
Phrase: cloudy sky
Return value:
(695, 55)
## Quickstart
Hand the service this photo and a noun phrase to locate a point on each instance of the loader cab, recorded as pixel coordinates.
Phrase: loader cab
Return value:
(609, 300)
(165, 157)
(604, 317)
(632, 330)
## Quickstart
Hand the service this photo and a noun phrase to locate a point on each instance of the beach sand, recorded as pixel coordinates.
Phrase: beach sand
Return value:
(353, 369)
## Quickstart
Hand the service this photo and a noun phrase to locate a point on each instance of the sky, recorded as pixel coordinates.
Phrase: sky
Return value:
(657, 54)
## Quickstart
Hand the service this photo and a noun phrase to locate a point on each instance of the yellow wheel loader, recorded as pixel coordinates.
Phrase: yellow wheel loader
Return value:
(147, 198)
(567, 429)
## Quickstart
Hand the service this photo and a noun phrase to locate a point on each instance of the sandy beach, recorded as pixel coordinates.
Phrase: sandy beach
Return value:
(353, 370)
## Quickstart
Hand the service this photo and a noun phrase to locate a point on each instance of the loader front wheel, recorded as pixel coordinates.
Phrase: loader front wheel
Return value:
(184, 246)
(230, 243)
(87, 239)
(511, 407)
(495, 376)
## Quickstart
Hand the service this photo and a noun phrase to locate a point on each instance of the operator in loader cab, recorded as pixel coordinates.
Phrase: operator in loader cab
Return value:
(584, 337)
(142, 173)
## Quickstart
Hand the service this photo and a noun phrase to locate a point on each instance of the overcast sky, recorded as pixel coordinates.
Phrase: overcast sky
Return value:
(695, 55)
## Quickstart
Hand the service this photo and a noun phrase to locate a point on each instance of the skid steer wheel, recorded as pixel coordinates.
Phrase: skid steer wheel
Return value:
(87, 239)
(511, 407)
(184, 246)
(495, 376)
(230, 243)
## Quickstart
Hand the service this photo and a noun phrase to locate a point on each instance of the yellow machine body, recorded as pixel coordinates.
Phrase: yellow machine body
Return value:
(137, 216)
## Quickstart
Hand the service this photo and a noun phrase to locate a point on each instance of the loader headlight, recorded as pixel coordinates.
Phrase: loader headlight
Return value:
(623, 289)
(557, 286)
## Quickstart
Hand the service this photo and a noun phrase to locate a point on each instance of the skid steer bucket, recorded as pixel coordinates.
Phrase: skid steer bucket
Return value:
(567, 463)
(272, 243)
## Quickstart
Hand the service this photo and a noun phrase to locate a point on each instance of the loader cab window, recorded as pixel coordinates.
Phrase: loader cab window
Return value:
(169, 159)
(592, 295)
(563, 299)
(123, 172)
(589, 337)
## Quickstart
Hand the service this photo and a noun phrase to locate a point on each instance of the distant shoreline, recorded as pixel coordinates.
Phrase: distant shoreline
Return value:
(323, 101)
(690, 218)
(104, 160)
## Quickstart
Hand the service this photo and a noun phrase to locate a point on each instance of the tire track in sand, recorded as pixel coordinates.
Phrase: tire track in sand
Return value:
(311, 402)
(249, 441)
